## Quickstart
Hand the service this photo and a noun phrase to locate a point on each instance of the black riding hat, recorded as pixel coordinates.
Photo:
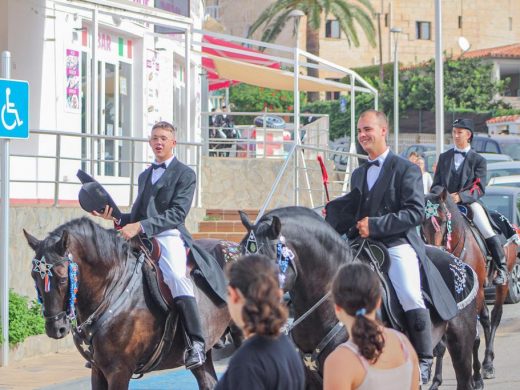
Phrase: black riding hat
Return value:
(463, 123)
(93, 196)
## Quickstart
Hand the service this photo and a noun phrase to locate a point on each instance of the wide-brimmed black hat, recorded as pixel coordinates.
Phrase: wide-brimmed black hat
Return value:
(463, 123)
(93, 197)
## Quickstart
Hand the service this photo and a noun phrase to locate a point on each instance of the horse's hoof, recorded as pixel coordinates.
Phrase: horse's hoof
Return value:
(479, 384)
(488, 373)
(435, 385)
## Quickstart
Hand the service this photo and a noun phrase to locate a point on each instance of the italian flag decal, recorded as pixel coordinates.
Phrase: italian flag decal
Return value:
(125, 48)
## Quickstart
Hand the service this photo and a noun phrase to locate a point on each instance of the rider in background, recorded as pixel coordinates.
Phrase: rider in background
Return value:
(165, 194)
(267, 359)
(462, 172)
(390, 207)
(374, 357)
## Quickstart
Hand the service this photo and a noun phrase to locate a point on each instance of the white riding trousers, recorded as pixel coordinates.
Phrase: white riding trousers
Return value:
(173, 263)
(481, 220)
(405, 276)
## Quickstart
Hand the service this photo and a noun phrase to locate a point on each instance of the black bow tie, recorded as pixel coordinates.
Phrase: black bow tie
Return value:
(461, 153)
(156, 166)
(375, 162)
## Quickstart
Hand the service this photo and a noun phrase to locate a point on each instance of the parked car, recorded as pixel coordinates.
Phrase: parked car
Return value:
(496, 157)
(500, 169)
(420, 149)
(506, 200)
(508, 181)
(503, 144)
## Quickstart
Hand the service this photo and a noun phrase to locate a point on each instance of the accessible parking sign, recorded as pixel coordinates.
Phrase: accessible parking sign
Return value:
(14, 109)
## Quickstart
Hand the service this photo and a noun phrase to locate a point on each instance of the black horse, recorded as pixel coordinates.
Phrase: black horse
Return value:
(116, 314)
(310, 252)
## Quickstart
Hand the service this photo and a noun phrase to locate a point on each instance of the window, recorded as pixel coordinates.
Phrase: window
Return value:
(491, 147)
(386, 20)
(333, 95)
(332, 29)
(510, 24)
(423, 30)
(460, 21)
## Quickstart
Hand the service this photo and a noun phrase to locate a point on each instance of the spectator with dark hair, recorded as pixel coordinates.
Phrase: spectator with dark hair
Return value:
(426, 177)
(413, 156)
(267, 359)
(374, 357)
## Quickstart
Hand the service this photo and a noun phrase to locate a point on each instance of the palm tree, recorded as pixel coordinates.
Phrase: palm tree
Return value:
(348, 13)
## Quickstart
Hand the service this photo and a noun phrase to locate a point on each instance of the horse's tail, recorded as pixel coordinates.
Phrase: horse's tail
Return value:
(474, 289)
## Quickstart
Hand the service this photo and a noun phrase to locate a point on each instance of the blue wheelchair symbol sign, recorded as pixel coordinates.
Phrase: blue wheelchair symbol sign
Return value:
(14, 109)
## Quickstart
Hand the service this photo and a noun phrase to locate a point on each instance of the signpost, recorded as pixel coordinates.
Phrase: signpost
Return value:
(14, 123)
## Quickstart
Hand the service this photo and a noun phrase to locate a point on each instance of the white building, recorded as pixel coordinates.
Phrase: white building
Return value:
(139, 79)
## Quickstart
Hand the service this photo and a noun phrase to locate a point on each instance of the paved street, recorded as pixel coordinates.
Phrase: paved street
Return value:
(66, 371)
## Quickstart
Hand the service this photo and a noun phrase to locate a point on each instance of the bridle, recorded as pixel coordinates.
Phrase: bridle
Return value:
(44, 270)
(431, 210)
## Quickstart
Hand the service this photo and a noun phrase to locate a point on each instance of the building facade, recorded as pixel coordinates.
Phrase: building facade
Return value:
(140, 78)
(483, 23)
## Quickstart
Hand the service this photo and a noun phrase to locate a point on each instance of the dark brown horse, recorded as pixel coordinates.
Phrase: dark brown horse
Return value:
(445, 226)
(113, 304)
(309, 252)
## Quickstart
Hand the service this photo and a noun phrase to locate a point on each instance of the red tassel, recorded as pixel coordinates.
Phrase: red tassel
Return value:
(476, 187)
(47, 283)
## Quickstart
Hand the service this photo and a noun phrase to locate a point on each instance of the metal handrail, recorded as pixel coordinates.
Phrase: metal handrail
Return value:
(58, 158)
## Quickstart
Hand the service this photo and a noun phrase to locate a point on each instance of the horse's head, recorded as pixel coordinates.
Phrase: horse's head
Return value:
(54, 274)
(437, 228)
(266, 238)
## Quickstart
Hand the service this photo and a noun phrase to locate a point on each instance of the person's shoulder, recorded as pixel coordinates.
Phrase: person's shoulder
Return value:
(476, 156)
(183, 168)
(335, 363)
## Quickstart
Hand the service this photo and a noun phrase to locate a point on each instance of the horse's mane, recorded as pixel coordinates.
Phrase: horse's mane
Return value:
(105, 244)
(456, 215)
(305, 222)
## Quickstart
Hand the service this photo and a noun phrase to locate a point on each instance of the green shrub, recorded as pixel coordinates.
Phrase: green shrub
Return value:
(25, 318)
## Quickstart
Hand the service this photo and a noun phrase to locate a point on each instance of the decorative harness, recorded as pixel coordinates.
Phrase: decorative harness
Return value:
(432, 213)
(285, 257)
(44, 269)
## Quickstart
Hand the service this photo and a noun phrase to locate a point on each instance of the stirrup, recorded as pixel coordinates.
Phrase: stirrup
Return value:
(194, 356)
(425, 369)
(500, 278)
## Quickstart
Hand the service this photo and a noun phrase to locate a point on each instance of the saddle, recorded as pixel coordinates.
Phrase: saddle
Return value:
(500, 224)
(458, 276)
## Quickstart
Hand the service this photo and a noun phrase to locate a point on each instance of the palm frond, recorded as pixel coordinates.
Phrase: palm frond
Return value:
(274, 29)
(348, 16)
(269, 14)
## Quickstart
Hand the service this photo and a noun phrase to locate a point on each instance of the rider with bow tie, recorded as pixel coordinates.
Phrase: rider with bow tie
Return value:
(462, 172)
(386, 203)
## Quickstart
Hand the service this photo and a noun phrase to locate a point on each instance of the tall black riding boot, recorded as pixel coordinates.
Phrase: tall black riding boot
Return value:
(499, 258)
(420, 334)
(195, 354)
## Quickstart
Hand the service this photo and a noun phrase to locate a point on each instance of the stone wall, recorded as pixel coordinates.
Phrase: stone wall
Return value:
(231, 183)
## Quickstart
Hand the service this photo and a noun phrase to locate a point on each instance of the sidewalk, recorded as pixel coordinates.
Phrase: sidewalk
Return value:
(43, 371)
(66, 370)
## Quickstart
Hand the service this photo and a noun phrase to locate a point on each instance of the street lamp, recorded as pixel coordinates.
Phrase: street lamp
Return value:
(396, 31)
(297, 15)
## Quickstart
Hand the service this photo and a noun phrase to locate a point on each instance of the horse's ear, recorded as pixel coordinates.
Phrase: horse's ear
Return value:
(61, 246)
(33, 242)
(443, 195)
(275, 228)
(245, 220)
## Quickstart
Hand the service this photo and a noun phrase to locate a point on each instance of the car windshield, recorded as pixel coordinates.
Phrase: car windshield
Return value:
(499, 202)
(511, 149)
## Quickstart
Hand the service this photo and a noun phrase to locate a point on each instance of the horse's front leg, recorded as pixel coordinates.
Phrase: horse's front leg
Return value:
(496, 317)
(97, 379)
(486, 326)
(438, 352)
(477, 377)
(118, 378)
(205, 375)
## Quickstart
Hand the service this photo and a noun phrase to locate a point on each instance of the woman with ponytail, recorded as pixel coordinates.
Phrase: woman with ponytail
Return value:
(374, 357)
(267, 359)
